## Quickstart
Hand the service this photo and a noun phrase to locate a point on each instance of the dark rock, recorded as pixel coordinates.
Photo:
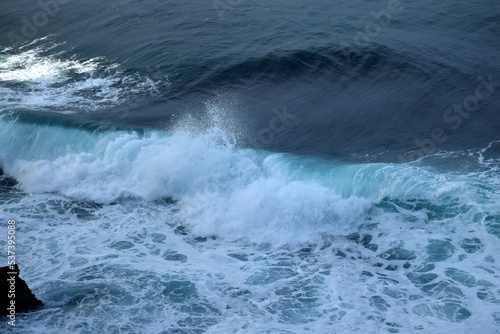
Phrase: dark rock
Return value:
(6, 181)
(15, 291)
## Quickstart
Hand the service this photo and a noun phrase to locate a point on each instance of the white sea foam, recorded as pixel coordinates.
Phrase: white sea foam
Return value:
(41, 79)
(125, 268)
(301, 244)
(220, 189)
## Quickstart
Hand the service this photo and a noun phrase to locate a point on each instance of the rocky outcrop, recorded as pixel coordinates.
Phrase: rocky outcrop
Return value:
(6, 181)
(16, 296)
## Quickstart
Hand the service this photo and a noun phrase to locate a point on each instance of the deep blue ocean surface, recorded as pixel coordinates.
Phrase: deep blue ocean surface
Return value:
(237, 166)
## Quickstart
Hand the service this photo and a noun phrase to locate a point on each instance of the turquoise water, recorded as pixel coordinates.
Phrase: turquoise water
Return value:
(252, 167)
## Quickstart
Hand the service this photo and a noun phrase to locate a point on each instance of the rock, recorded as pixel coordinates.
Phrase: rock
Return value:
(6, 181)
(14, 291)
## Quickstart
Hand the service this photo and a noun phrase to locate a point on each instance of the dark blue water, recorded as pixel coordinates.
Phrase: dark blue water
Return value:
(253, 167)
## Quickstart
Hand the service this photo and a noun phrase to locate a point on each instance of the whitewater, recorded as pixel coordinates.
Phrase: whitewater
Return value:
(157, 187)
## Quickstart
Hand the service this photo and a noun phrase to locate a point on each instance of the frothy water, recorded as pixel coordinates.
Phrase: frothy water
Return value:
(234, 167)
(179, 232)
(42, 79)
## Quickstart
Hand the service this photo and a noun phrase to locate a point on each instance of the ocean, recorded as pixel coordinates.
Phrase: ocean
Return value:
(236, 166)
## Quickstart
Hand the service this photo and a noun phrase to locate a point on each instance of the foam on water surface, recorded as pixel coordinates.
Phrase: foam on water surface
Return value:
(132, 268)
(185, 233)
(37, 77)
